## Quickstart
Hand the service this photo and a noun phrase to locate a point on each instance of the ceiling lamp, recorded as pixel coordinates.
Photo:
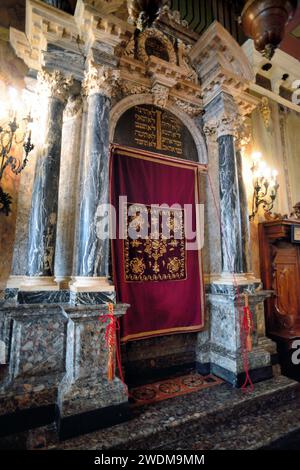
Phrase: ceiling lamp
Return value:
(264, 21)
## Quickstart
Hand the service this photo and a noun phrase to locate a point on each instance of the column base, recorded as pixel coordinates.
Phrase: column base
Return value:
(14, 282)
(38, 284)
(225, 347)
(63, 282)
(236, 279)
(90, 284)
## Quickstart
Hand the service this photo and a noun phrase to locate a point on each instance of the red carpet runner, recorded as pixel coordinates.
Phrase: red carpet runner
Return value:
(170, 388)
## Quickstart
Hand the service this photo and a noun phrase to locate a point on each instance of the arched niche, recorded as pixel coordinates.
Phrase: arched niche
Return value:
(122, 127)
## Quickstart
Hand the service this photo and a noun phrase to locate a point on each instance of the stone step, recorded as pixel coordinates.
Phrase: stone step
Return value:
(255, 431)
(176, 421)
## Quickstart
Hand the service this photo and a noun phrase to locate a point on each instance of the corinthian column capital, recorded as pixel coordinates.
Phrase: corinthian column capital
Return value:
(227, 125)
(100, 79)
(54, 84)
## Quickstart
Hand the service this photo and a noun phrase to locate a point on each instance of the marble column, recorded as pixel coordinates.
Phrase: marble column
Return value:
(244, 217)
(223, 293)
(91, 270)
(232, 259)
(54, 89)
(68, 188)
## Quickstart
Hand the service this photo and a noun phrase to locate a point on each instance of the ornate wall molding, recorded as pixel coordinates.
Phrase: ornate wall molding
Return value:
(192, 109)
(54, 85)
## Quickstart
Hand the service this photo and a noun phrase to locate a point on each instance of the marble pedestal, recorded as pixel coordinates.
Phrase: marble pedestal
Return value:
(62, 296)
(226, 359)
(56, 370)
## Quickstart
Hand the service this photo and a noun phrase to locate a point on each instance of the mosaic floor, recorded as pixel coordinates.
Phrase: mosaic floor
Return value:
(170, 388)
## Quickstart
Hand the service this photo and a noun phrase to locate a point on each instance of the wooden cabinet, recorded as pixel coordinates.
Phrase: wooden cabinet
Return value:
(280, 272)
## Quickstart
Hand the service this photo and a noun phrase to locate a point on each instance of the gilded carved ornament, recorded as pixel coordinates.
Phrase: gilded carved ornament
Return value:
(265, 112)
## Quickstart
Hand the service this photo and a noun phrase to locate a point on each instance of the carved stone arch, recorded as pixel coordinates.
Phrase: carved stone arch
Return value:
(130, 101)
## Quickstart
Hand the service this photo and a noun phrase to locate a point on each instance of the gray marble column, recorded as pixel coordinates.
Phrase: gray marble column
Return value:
(91, 270)
(232, 257)
(43, 218)
(244, 216)
(68, 189)
(92, 251)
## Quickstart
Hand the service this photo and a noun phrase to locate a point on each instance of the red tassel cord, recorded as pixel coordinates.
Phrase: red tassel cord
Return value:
(113, 346)
(248, 325)
(247, 329)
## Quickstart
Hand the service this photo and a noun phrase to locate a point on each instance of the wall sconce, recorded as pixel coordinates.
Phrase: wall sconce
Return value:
(13, 135)
(265, 185)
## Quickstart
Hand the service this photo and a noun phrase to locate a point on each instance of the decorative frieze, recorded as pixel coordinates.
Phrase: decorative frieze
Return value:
(54, 85)
(131, 88)
(100, 79)
(192, 109)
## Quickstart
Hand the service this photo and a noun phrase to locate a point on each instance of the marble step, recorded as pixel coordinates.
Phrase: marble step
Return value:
(259, 430)
(171, 422)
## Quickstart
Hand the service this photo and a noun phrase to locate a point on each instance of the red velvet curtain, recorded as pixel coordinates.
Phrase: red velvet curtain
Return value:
(166, 295)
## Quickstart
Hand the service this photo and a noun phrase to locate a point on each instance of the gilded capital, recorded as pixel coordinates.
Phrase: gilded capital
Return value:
(100, 79)
(54, 84)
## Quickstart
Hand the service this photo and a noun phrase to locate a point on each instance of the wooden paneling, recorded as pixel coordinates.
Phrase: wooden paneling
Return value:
(280, 271)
